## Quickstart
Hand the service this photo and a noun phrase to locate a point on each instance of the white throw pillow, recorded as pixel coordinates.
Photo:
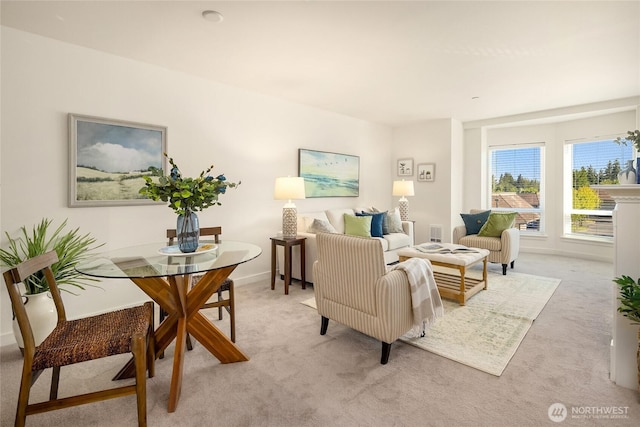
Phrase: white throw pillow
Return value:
(336, 218)
(394, 221)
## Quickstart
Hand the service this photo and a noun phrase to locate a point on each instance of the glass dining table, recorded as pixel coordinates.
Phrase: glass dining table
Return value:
(164, 274)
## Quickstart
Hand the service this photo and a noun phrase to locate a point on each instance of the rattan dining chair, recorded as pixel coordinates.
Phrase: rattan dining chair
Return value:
(227, 286)
(128, 330)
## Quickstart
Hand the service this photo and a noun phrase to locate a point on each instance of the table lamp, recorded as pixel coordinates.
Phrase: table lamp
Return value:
(403, 188)
(289, 188)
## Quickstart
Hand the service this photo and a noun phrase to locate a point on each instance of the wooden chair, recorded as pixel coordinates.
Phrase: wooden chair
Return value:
(227, 286)
(75, 341)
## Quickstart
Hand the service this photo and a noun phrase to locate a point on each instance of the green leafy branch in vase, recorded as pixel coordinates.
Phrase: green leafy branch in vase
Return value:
(185, 194)
(632, 137)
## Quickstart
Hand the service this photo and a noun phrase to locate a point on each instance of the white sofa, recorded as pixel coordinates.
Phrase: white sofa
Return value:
(391, 242)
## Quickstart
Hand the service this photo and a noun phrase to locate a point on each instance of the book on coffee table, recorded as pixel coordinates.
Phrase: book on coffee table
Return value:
(435, 248)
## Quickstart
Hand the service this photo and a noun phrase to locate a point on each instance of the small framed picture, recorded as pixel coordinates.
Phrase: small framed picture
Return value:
(405, 167)
(426, 172)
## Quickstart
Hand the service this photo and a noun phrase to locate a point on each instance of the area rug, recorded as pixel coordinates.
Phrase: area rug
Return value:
(486, 332)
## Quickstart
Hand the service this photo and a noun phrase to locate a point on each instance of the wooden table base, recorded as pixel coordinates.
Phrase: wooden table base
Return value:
(182, 305)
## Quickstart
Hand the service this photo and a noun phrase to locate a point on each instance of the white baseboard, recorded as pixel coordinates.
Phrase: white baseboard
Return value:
(570, 254)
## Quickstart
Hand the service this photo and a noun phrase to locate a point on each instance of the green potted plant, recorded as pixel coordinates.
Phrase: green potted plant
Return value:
(71, 247)
(185, 197)
(630, 305)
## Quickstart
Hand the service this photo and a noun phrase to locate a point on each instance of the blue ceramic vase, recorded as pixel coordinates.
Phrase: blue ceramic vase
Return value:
(188, 232)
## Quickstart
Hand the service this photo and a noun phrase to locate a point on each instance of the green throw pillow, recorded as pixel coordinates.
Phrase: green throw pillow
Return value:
(497, 223)
(376, 222)
(357, 225)
(474, 222)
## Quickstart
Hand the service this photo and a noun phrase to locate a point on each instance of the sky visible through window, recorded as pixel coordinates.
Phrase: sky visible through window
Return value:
(597, 154)
(526, 161)
(522, 161)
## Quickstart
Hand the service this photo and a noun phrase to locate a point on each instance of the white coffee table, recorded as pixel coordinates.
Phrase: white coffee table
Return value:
(452, 286)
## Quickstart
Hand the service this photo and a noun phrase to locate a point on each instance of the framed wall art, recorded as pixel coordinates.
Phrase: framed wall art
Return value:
(405, 167)
(107, 159)
(426, 172)
(329, 174)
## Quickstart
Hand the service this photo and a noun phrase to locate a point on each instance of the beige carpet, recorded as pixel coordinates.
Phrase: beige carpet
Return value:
(487, 331)
(298, 378)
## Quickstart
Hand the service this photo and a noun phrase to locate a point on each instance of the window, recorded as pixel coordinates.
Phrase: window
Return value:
(592, 163)
(516, 184)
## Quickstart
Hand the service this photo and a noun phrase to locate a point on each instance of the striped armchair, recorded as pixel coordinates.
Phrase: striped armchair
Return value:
(352, 287)
(503, 249)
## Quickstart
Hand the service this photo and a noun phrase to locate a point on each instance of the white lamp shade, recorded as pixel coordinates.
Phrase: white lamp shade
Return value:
(289, 188)
(403, 188)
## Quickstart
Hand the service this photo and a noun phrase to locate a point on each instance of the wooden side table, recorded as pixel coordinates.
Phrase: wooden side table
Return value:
(287, 244)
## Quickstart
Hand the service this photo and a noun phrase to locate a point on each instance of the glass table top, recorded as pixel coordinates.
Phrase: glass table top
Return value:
(160, 260)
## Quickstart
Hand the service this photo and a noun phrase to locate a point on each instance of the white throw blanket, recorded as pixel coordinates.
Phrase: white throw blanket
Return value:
(425, 299)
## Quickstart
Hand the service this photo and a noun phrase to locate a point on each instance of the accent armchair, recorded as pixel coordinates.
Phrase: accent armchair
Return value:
(352, 287)
(503, 249)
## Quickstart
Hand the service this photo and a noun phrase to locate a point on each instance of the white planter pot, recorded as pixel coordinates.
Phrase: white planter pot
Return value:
(629, 174)
(42, 314)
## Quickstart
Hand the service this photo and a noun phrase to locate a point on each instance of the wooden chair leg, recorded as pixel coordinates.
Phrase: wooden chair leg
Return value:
(151, 351)
(163, 314)
(189, 345)
(55, 380)
(140, 359)
(220, 299)
(151, 359)
(232, 313)
(23, 396)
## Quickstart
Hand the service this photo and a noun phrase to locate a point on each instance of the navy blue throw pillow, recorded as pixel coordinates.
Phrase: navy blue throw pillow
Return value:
(474, 222)
(376, 222)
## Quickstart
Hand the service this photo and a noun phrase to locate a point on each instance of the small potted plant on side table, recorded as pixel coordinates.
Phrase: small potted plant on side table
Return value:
(630, 306)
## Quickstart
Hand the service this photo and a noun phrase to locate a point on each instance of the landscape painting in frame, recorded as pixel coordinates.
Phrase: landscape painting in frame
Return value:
(329, 174)
(108, 159)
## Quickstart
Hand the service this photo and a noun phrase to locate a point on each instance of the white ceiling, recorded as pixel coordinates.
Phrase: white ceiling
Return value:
(390, 62)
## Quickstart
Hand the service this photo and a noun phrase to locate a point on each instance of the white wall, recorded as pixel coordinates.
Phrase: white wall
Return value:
(439, 142)
(602, 123)
(247, 136)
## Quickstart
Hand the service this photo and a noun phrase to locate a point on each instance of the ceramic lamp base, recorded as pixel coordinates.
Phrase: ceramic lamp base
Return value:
(289, 222)
(404, 209)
